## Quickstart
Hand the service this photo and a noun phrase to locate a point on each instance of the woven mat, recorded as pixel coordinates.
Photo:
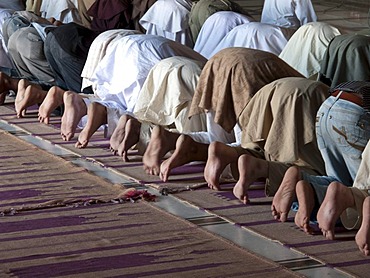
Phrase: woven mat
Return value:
(341, 253)
(52, 230)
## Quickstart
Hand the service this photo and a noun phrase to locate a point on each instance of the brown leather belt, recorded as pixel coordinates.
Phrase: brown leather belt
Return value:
(352, 97)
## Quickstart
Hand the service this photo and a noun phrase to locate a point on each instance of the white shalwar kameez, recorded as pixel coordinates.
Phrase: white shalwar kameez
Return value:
(256, 35)
(63, 10)
(119, 76)
(215, 28)
(169, 19)
(167, 93)
(306, 57)
(288, 13)
(98, 50)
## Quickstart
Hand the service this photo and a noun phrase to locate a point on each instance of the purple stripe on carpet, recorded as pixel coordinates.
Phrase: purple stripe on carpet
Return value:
(13, 173)
(67, 232)
(352, 263)
(124, 165)
(23, 122)
(106, 263)
(34, 183)
(89, 250)
(16, 194)
(188, 169)
(9, 157)
(256, 223)
(312, 243)
(103, 156)
(225, 207)
(39, 224)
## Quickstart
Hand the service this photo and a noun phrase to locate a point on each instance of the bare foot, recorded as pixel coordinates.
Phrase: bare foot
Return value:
(53, 99)
(363, 234)
(32, 95)
(219, 156)
(338, 197)
(187, 150)
(250, 169)
(125, 135)
(285, 195)
(74, 109)
(97, 116)
(7, 83)
(21, 90)
(306, 201)
(161, 142)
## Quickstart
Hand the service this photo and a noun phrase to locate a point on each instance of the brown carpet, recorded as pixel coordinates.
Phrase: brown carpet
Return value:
(341, 253)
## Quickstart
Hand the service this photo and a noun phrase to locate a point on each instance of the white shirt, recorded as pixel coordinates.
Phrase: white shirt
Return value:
(98, 50)
(256, 35)
(306, 57)
(288, 13)
(63, 10)
(215, 29)
(170, 19)
(119, 76)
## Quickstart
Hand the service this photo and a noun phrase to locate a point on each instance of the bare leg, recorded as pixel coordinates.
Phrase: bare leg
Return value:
(338, 197)
(363, 234)
(187, 150)
(285, 195)
(306, 201)
(161, 142)
(32, 95)
(250, 169)
(53, 99)
(7, 83)
(125, 135)
(97, 116)
(219, 156)
(74, 109)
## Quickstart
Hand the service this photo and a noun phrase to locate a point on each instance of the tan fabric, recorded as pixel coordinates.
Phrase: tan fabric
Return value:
(83, 6)
(34, 6)
(167, 93)
(230, 79)
(282, 116)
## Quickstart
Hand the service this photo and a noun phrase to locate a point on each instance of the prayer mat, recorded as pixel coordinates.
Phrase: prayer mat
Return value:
(58, 219)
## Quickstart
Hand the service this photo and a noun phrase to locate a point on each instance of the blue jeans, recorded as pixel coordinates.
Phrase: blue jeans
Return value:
(342, 131)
